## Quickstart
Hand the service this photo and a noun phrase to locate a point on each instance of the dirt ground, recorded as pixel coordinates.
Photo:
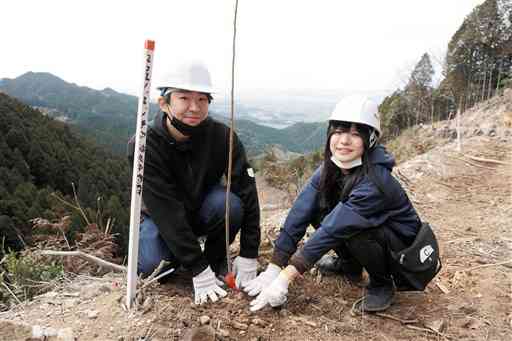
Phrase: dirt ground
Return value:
(469, 205)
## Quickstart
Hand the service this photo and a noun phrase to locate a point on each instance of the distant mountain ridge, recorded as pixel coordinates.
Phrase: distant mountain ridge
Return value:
(109, 116)
(47, 90)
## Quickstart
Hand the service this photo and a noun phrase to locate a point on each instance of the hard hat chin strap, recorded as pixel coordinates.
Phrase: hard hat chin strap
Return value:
(373, 138)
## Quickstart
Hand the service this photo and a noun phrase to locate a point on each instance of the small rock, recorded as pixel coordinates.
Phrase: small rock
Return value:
(437, 325)
(226, 300)
(203, 333)
(223, 332)
(204, 319)
(472, 323)
(92, 314)
(283, 313)
(311, 323)
(66, 334)
(238, 325)
(259, 322)
(50, 294)
(147, 305)
(468, 310)
(104, 289)
(69, 303)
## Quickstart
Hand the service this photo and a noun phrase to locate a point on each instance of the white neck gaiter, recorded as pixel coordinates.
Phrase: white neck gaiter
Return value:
(347, 165)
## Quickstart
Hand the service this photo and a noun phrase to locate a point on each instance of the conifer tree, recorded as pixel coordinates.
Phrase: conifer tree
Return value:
(419, 89)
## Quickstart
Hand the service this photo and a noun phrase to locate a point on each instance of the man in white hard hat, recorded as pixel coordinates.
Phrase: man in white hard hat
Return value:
(186, 158)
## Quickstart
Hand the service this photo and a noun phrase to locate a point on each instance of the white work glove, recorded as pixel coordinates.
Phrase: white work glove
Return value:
(206, 285)
(275, 294)
(263, 280)
(245, 270)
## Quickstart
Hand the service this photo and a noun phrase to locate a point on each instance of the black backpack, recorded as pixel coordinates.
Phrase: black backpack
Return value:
(415, 266)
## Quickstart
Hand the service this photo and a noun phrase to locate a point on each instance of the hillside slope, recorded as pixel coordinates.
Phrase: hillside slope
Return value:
(108, 117)
(40, 156)
(466, 201)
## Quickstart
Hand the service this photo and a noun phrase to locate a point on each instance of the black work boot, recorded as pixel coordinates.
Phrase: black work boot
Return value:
(353, 271)
(378, 298)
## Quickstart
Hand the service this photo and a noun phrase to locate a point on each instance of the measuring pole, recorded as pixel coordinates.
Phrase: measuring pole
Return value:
(138, 172)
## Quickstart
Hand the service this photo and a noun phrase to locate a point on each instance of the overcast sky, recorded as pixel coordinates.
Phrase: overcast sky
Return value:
(281, 44)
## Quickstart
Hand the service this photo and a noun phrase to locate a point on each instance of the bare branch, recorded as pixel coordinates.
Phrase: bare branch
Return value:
(486, 266)
(10, 292)
(481, 159)
(86, 256)
(78, 204)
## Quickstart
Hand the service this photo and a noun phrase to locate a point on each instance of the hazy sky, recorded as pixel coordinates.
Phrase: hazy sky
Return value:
(281, 44)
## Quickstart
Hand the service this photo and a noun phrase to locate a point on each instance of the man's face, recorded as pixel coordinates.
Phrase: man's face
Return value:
(190, 107)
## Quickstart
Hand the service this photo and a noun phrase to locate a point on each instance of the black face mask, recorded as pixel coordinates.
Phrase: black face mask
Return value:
(186, 129)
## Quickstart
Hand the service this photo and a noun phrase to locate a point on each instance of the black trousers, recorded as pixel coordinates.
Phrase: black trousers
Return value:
(211, 218)
(369, 249)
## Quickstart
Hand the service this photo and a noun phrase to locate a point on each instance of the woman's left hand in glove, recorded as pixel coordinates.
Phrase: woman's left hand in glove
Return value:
(275, 294)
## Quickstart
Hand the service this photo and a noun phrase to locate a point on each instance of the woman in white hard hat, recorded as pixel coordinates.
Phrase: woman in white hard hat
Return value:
(361, 211)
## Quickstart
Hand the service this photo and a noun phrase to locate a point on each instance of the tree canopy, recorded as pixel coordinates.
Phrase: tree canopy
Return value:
(40, 156)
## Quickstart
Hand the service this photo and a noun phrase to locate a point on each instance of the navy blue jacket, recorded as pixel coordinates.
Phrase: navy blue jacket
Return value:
(366, 208)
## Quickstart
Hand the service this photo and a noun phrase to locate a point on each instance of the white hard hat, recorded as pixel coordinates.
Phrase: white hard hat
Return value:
(357, 109)
(191, 76)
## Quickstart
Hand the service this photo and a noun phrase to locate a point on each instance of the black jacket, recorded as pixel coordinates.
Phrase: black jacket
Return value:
(177, 176)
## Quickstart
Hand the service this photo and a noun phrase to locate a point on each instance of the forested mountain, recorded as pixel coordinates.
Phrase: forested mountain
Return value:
(108, 117)
(479, 56)
(299, 137)
(477, 66)
(40, 156)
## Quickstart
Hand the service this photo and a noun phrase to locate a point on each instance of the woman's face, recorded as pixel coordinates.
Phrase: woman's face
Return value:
(346, 144)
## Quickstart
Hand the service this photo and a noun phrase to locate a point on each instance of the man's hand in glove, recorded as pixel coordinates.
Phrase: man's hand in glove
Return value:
(263, 280)
(275, 294)
(244, 270)
(206, 285)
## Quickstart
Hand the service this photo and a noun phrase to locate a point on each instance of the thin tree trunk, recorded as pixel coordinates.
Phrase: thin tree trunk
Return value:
(489, 87)
(483, 86)
(471, 94)
(432, 109)
(499, 77)
(417, 111)
(466, 104)
(463, 104)
(459, 137)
